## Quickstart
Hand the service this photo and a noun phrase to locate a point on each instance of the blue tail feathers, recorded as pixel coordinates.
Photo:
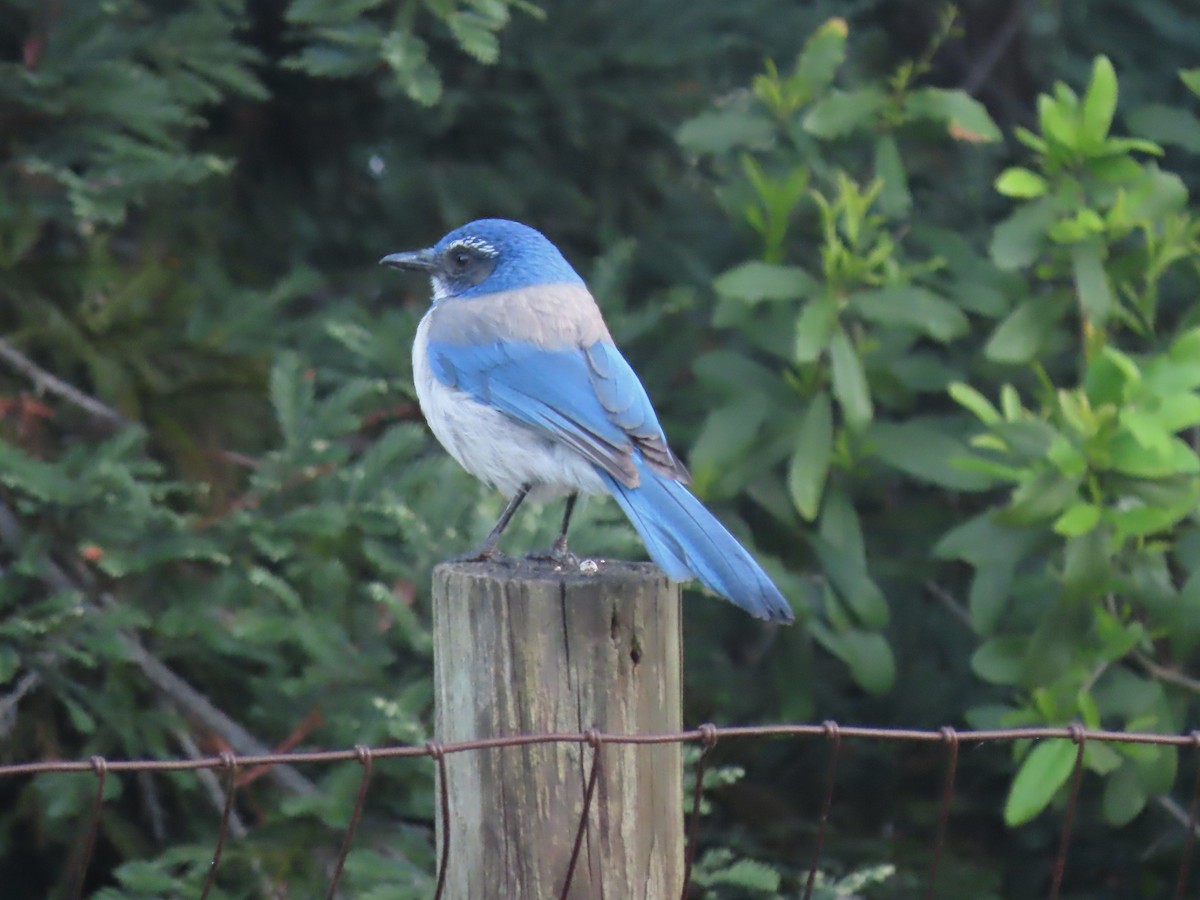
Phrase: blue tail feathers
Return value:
(687, 542)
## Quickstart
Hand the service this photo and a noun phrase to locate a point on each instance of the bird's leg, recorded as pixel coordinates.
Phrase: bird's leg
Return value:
(558, 550)
(487, 549)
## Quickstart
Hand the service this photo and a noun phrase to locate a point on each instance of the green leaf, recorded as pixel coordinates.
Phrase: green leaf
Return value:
(966, 396)
(1018, 240)
(748, 874)
(1130, 456)
(822, 55)
(1099, 103)
(1020, 335)
(1156, 767)
(914, 307)
(408, 58)
(841, 526)
(1087, 565)
(853, 583)
(1139, 520)
(1001, 660)
(810, 463)
(1021, 183)
(1124, 797)
(966, 118)
(1165, 124)
(291, 397)
(814, 326)
(987, 598)
(720, 131)
(869, 657)
(1078, 519)
(1178, 411)
(926, 453)
(849, 380)
(727, 434)
(840, 113)
(1046, 494)
(476, 34)
(1110, 374)
(1191, 78)
(756, 281)
(1043, 772)
(1084, 225)
(894, 199)
(1056, 117)
(1091, 281)
(1146, 427)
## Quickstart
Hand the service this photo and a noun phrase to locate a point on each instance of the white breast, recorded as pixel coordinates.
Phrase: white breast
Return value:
(491, 446)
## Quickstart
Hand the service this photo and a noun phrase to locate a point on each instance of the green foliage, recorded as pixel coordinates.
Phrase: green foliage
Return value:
(1081, 537)
(1102, 479)
(942, 366)
(845, 330)
(339, 39)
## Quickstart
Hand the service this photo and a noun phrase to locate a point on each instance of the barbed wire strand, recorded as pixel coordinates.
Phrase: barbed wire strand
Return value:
(394, 751)
(1189, 842)
(707, 735)
(436, 750)
(365, 757)
(231, 769)
(832, 731)
(596, 743)
(708, 740)
(1079, 736)
(950, 736)
(99, 766)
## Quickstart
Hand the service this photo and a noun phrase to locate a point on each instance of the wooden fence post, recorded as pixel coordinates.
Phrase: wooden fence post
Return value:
(520, 649)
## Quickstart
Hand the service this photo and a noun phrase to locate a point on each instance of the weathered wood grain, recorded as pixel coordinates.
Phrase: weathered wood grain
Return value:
(520, 648)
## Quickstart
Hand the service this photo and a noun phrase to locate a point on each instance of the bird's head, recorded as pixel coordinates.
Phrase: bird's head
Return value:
(485, 257)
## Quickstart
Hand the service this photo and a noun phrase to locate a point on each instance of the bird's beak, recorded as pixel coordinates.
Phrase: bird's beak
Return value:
(412, 260)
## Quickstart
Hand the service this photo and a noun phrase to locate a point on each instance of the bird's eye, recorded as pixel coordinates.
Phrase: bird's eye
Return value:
(461, 259)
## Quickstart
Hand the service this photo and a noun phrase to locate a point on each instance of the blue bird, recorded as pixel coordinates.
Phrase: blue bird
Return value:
(519, 379)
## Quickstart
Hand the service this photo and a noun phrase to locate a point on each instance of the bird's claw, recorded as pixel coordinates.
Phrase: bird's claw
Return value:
(558, 554)
(479, 554)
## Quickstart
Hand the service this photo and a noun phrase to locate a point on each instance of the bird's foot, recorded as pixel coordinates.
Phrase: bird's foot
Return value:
(482, 553)
(558, 554)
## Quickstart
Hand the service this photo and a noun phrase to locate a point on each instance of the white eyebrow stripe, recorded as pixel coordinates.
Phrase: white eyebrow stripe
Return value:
(475, 243)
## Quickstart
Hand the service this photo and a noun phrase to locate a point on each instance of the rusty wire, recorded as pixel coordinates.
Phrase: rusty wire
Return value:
(596, 742)
(950, 736)
(1079, 736)
(706, 735)
(834, 732)
(708, 740)
(99, 765)
(365, 757)
(437, 752)
(1189, 842)
(230, 764)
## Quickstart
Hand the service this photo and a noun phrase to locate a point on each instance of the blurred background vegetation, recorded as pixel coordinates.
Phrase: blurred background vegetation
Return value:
(914, 291)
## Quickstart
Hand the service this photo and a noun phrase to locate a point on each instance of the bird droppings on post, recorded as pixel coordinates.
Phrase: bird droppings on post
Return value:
(588, 567)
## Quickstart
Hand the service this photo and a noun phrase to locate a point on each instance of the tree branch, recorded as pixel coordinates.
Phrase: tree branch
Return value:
(1165, 673)
(948, 600)
(46, 382)
(185, 697)
(8, 704)
(992, 53)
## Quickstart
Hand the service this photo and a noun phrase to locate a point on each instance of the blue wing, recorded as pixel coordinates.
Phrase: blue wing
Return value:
(588, 398)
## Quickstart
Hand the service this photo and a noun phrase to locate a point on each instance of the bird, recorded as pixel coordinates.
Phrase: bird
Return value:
(519, 379)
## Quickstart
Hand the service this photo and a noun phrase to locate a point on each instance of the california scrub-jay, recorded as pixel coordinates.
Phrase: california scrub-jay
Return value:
(519, 379)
